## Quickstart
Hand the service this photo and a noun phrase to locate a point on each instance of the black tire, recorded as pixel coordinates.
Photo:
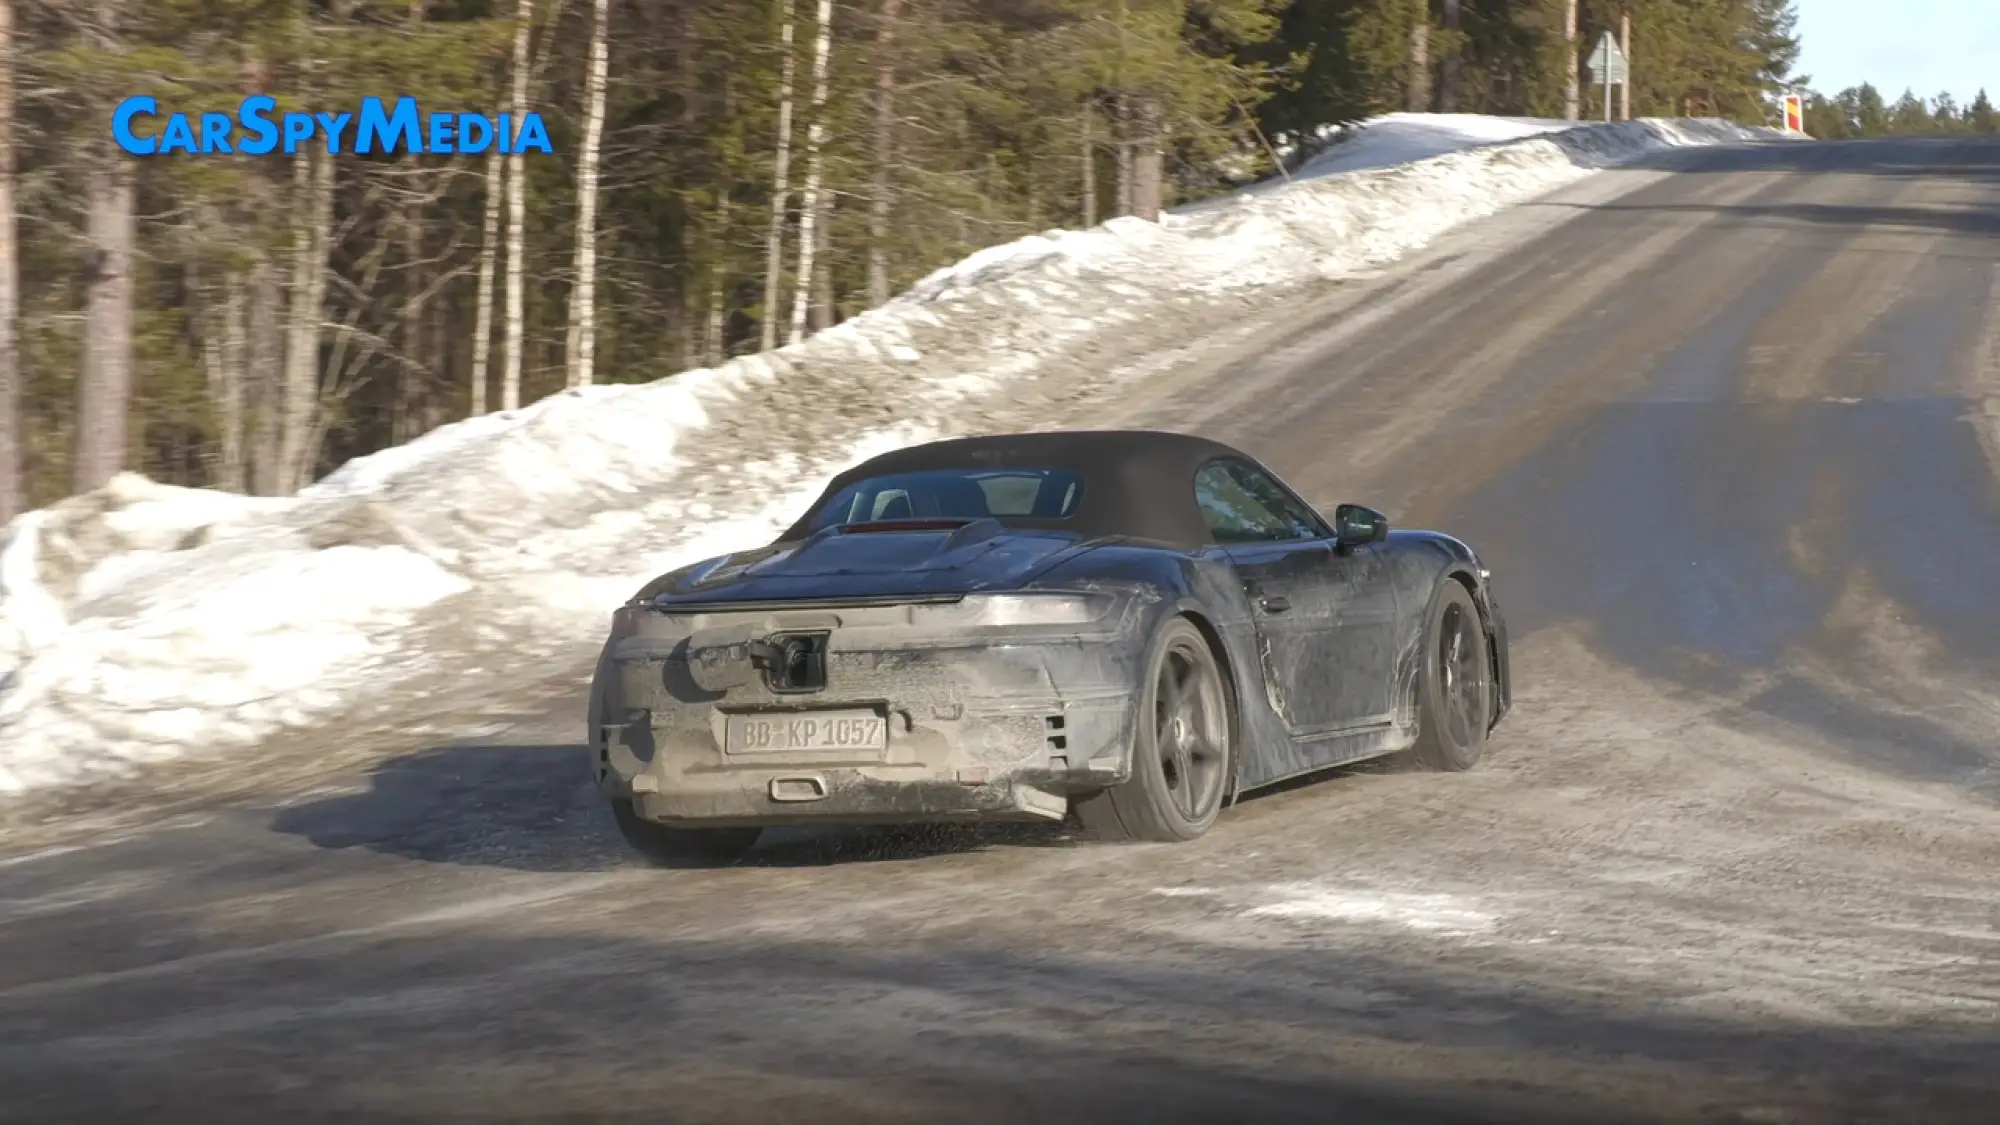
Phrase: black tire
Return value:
(1455, 684)
(1183, 747)
(682, 847)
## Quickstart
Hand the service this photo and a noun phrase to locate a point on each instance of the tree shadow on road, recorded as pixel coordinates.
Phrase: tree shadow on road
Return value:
(535, 808)
(1966, 222)
(1972, 159)
(951, 1025)
(1970, 164)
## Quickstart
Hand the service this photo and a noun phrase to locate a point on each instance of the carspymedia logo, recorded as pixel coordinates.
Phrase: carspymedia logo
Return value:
(257, 129)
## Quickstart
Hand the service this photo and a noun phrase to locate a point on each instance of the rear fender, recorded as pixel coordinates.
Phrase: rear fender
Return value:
(1263, 745)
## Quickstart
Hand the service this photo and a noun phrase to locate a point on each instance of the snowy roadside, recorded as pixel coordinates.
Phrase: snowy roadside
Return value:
(1405, 138)
(143, 623)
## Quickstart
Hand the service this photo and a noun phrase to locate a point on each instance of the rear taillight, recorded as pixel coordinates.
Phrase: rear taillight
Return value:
(624, 620)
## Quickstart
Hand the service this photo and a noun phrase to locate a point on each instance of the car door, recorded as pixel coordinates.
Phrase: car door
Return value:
(1325, 614)
(1368, 632)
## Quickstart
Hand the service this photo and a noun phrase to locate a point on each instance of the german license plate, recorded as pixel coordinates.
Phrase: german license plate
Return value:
(805, 732)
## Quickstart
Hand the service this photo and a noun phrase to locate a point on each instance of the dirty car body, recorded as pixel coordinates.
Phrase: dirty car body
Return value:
(960, 630)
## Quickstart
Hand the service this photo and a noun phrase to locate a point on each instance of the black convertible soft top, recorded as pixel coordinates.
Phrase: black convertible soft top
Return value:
(1136, 483)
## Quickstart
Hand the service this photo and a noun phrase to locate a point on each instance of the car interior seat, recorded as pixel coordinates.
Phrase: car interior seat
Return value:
(963, 499)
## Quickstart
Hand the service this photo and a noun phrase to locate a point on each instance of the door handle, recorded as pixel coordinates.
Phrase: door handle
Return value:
(1275, 603)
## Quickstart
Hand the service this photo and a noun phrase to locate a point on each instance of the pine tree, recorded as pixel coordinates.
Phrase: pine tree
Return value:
(1980, 115)
(1945, 114)
(1826, 118)
(1909, 116)
(1770, 40)
(1871, 114)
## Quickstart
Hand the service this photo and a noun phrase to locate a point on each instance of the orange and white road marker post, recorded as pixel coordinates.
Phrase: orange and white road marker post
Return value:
(1795, 114)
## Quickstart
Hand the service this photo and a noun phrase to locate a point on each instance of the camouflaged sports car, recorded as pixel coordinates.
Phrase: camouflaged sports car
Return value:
(1131, 626)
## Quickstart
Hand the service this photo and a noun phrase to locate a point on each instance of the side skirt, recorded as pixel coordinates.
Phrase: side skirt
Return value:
(1332, 751)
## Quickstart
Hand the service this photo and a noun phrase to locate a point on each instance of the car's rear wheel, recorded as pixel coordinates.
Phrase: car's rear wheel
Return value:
(682, 847)
(1182, 747)
(1455, 685)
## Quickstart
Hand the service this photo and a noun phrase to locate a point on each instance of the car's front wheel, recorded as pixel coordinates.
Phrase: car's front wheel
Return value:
(1455, 684)
(682, 847)
(1182, 746)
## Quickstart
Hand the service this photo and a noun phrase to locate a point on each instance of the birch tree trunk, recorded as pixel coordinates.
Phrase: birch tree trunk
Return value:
(226, 384)
(715, 319)
(582, 343)
(262, 357)
(885, 152)
(437, 411)
(1570, 91)
(698, 248)
(1123, 133)
(809, 202)
(517, 218)
(1087, 162)
(1121, 123)
(406, 423)
(13, 488)
(263, 342)
(774, 243)
(715, 349)
(482, 315)
(1448, 75)
(413, 377)
(715, 323)
(299, 422)
(104, 392)
(687, 334)
(104, 387)
(1625, 45)
(1419, 89)
(1148, 182)
(822, 275)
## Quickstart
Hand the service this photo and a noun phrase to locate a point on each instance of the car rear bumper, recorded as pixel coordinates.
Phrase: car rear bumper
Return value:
(848, 797)
(1003, 727)
(1023, 765)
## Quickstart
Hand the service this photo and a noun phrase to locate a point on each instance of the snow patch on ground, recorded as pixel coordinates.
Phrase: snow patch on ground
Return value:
(143, 622)
(1431, 913)
(1305, 903)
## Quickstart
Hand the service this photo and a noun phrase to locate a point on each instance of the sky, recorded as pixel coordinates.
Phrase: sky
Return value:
(1927, 45)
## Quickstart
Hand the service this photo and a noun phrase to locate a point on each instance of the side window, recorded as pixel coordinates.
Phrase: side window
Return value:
(1228, 495)
(1272, 495)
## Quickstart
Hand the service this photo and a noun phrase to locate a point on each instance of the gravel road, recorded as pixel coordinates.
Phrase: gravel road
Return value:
(1727, 429)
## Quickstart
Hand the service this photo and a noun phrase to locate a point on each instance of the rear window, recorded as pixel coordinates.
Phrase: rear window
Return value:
(964, 494)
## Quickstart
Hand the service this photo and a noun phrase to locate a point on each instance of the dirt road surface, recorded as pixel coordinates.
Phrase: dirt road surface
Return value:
(1727, 429)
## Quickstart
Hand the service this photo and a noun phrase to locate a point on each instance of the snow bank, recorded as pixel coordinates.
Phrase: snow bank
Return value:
(143, 622)
(1404, 138)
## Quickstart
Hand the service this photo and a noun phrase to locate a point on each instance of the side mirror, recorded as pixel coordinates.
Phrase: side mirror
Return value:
(1354, 525)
